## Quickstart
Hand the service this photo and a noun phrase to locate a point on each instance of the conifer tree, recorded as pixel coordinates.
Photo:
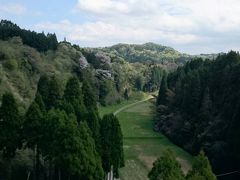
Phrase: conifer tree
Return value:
(43, 88)
(54, 93)
(71, 147)
(89, 97)
(112, 144)
(73, 95)
(201, 169)
(162, 98)
(72, 90)
(10, 125)
(33, 132)
(166, 168)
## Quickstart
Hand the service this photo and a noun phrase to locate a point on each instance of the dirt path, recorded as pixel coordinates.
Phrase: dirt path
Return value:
(130, 105)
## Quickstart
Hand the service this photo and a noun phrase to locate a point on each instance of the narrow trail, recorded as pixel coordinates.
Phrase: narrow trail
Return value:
(130, 105)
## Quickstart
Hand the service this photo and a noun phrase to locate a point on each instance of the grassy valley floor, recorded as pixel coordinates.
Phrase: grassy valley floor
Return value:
(142, 146)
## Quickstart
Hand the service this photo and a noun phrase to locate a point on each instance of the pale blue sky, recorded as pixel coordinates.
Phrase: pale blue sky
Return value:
(190, 26)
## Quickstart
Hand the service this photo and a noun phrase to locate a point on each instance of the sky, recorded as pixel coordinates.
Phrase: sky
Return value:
(190, 26)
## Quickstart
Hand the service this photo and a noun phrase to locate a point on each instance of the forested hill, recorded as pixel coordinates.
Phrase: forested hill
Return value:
(199, 108)
(26, 55)
(147, 53)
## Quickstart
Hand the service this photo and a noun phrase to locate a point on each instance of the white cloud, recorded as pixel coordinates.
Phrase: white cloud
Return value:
(173, 22)
(12, 8)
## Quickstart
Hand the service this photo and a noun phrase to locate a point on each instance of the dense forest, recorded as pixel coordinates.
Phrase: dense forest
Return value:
(60, 135)
(40, 41)
(198, 109)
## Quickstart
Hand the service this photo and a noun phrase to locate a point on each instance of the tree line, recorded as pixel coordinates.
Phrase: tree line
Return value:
(63, 132)
(168, 168)
(198, 108)
(42, 42)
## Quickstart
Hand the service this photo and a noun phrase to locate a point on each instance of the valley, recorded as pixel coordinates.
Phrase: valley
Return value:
(142, 146)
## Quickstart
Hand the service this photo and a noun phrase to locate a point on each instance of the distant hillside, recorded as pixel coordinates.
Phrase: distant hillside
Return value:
(148, 52)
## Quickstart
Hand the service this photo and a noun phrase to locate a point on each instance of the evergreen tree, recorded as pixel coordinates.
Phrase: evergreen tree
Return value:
(112, 144)
(117, 143)
(72, 90)
(70, 147)
(33, 132)
(139, 83)
(126, 94)
(89, 97)
(162, 97)
(195, 93)
(10, 125)
(73, 95)
(43, 89)
(50, 91)
(54, 93)
(201, 169)
(40, 41)
(93, 122)
(39, 101)
(166, 168)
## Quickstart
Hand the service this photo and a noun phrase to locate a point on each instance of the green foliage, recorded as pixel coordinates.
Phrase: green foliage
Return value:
(11, 64)
(112, 144)
(139, 83)
(40, 41)
(201, 169)
(74, 99)
(33, 132)
(33, 125)
(72, 90)
(166, 168)
(54, 93)
(10, 125)
(162, 98)
(146, 52)
(89, 98)
(205, 109)
(72, 149)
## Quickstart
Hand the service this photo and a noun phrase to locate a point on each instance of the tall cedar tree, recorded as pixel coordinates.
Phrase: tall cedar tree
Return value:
(92, 117)
(89, 97)
(33, 132)
(112, 144)
(166, 168)
(73, 95)
(50, 91)
(10, 125)
(54, 93)
(43, 88)
(162, 98)
(71, 148)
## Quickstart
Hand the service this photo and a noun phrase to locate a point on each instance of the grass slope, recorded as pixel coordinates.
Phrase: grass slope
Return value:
(142, 145)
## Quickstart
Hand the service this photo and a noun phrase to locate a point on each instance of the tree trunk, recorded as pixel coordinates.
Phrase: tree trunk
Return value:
(59, 174)
(37, 163)
(28, 176)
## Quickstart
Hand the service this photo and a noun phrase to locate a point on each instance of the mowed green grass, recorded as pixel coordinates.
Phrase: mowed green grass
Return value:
(142, 146)
(111, 109)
